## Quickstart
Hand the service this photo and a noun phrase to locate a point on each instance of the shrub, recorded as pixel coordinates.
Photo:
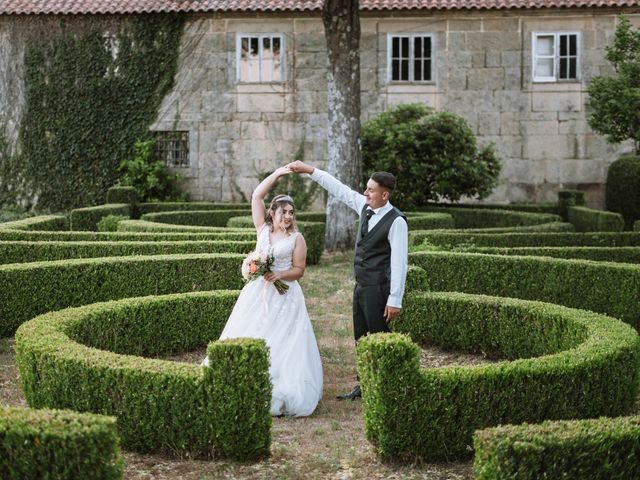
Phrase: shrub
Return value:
(572, 450)
(518, 238)
(432, 154)
(110, 223)
(151, 179)
(488, 218)
(122, 195)
(598, 254)
(589, 220)
(87, 218)
(172, 206)
(218, 234)
(31, 289)
(93, 351)
(564, 363)
(40, 222)
(608, 288)
(26, 251)
(623, 189)
(569, 198)
(204, 218)
(58, 445)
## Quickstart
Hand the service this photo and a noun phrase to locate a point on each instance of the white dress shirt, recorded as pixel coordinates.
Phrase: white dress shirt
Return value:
(398, 234)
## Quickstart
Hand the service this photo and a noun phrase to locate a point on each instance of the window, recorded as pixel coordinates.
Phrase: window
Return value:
(260, 58)
(172, 148)
(410, 58)
(555, 57)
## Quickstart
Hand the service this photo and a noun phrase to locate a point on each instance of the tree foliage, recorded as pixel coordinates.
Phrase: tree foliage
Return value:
(615, 100)
(433, 155)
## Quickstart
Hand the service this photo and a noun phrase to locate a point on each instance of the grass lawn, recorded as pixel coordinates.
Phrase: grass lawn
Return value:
(330, 444)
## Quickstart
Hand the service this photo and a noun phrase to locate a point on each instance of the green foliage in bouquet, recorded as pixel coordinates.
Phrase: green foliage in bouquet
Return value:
(433, 155)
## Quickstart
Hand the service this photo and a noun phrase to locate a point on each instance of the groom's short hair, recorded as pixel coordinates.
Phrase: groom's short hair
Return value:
(385, 180)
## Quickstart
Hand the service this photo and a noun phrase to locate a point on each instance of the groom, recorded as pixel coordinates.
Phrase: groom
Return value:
(380, 263)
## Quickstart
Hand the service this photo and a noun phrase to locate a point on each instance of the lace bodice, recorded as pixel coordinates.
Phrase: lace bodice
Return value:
(282, 249)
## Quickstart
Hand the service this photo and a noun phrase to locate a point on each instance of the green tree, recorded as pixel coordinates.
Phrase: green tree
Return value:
(615, 100)
(434, 155)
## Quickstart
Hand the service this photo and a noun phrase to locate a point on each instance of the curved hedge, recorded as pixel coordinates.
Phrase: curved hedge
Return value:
(589, 220)
(565, 364)
(313, 233)
(121, 194)
(41, 222)
(58, 445)
(571, 450)
(598, 254)
(484, 217)
(517, 207)
(31, 289)
(222, 410)
(149, 207)
(87, 218)
(23, 252)
(222, 235)
(529, 239)
(609, 288)
(202, 218)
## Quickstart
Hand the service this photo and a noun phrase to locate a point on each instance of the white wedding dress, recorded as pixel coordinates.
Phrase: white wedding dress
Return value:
(283, 322)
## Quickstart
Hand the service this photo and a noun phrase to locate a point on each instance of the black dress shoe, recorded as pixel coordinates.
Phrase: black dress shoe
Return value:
(353, 394)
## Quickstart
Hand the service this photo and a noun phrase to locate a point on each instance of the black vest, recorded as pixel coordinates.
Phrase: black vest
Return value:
(372, 264)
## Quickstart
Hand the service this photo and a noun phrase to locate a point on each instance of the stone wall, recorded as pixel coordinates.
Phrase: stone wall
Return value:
(483, 72)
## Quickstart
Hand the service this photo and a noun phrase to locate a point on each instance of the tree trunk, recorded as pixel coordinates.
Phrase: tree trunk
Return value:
(341, 20)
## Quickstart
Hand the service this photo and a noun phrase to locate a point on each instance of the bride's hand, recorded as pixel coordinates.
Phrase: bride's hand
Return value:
(272, 276)
(281, 171)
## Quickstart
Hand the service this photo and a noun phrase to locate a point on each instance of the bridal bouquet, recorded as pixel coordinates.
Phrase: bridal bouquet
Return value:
(257, 264)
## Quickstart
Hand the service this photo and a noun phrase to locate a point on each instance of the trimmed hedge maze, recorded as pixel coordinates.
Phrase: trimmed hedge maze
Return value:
(560, 363)
(572, 450)
(90, 358)
(31, 289)
(58, 444)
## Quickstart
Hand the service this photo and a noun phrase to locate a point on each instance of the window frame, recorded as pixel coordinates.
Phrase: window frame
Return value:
(167, 133)
(556, 56)
(411, 37)
(261, 36)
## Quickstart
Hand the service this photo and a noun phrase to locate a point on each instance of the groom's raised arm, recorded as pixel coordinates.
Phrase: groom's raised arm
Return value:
(335, 187)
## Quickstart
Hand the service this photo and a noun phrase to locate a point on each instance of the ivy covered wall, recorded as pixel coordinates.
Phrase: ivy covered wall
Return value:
(92, 88)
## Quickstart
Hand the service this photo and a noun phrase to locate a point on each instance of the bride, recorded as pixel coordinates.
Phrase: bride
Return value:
(280, 319)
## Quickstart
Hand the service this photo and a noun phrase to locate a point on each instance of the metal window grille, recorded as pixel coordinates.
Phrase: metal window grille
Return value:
(172, 148)
(411, 58)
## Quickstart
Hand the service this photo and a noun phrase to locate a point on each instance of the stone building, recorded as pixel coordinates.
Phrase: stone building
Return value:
(250, 92)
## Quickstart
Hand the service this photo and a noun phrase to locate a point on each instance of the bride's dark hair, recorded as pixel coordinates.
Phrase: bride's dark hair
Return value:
(280, 201)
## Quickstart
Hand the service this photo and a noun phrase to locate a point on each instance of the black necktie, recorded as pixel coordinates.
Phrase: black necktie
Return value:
(364, 229)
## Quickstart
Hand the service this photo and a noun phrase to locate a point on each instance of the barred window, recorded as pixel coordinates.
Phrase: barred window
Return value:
(260, 58)
(555, 57)
(410, 58)
(172, 148)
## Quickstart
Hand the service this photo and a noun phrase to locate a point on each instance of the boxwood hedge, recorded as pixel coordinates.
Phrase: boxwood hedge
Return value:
(58, 445)
(30, 289)
(87, 218)
(572, 450)
(150, 207)
(609, 288)
(589, 220)
(22, 252)
(203, 218)
(88, 359)
(598, 254)
(529, 239)
(313, 233)
(560, 363)
(41, 222)
(481, 217)
(120, 194)
(223, 235)
(518, 207)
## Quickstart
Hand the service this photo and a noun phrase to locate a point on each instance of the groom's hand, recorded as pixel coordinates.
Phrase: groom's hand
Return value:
(300, 167)
(390, 313)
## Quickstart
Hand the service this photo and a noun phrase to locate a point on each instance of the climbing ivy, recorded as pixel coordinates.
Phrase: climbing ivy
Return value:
(91, 93)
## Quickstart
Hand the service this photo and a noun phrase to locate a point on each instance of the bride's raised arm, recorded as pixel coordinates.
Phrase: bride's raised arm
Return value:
(258, 209)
